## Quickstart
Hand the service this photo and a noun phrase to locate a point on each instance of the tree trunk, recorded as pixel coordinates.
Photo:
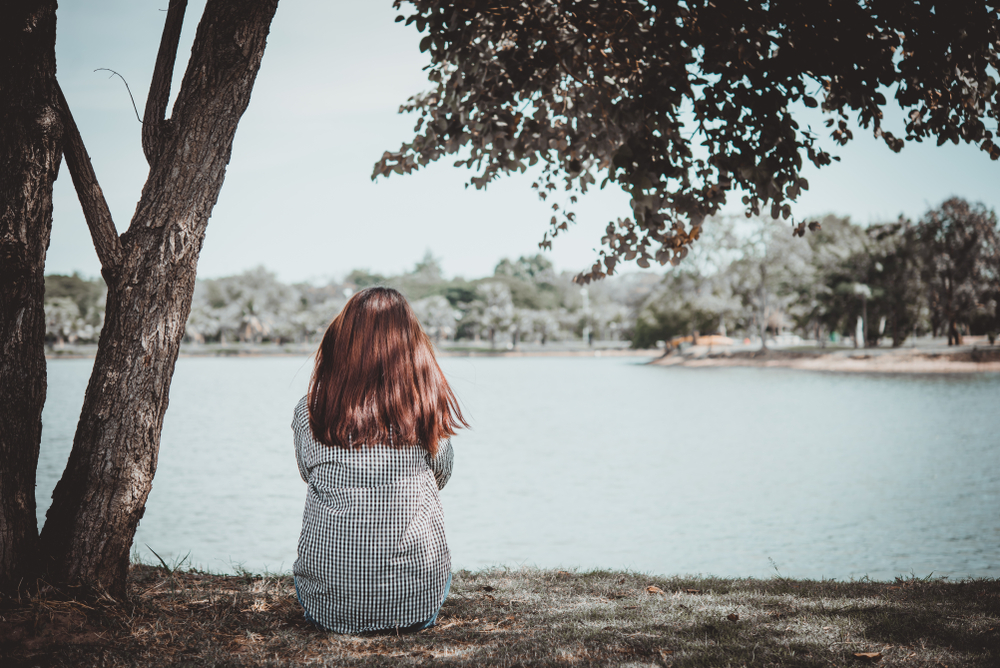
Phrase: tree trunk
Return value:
(97, 505)
(762, 307)
(898, 339)
(30, 138)
(864, 322)
(954, 334)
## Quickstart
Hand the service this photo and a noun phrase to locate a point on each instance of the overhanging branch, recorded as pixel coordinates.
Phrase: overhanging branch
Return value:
(163, 72)
(88, 190)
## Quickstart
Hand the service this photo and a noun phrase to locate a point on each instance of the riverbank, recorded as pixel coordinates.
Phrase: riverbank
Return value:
(917, 359)
(446, 349)
(505, 617)
(926, 356)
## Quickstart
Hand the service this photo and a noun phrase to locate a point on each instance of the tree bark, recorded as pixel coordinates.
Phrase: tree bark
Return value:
(88, 190)
(154, 118)
(101, 497)
(30, 138)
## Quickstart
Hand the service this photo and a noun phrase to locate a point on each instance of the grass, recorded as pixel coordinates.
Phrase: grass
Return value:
(532, 617)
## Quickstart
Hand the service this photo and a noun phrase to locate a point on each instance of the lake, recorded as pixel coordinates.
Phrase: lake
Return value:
(603, 463)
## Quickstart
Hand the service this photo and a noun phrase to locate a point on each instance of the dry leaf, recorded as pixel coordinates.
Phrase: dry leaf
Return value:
(693, 591)
(664, 653)
(733, 617)
(622, 581)
(653, 589)
(868, 656)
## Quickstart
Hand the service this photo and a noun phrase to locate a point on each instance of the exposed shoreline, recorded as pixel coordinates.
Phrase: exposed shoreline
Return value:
(925, 359)
(300, 350)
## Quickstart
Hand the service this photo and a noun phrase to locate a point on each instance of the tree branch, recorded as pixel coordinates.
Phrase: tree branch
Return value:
(163, 72)
(127, 87)
(88, 190)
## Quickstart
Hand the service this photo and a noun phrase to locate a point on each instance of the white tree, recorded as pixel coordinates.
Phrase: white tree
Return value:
(62, 317)
(765, 277)
(498, 309)
(437, 316)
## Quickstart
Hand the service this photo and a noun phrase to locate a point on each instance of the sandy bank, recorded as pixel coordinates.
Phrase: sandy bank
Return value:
(611, 352)
(961, 359)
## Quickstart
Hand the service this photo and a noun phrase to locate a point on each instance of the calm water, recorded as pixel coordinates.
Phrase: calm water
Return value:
(605, 463)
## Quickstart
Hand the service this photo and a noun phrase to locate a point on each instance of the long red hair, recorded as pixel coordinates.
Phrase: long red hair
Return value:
(376, 380)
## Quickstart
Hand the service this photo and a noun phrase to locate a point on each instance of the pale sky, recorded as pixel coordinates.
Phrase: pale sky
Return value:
(298, 197)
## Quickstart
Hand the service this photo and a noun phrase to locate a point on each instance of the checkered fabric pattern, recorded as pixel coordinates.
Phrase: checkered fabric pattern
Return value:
(372, 552)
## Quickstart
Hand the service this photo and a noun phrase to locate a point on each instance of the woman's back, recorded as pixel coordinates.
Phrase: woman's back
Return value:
(371, 439)
(372, 552)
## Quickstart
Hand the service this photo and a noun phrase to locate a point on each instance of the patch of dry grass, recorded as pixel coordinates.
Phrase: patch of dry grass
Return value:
(523, 617)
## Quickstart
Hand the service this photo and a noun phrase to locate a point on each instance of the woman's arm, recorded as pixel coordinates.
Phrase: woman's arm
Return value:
(298, 438)
(303, 471)
(442, 462)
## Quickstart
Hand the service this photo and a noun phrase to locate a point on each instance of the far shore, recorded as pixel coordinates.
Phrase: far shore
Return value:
(924, 356)
(462, 349)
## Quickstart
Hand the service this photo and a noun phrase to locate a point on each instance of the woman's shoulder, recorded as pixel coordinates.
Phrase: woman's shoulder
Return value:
(302, 408)
(300, 416)
(381, 451)
(300, 423)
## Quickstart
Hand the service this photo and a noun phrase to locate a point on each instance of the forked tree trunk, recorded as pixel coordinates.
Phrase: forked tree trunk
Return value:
(30, 153)
(97, 504)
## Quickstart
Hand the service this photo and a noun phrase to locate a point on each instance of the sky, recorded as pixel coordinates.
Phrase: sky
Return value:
(298, 196)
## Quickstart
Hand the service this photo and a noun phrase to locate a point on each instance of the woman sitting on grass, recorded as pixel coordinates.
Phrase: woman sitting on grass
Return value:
(371, 440)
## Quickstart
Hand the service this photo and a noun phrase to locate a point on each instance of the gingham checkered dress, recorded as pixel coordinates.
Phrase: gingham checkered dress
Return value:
(372, 552)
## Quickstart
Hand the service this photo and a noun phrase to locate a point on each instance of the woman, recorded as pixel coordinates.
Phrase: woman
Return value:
(372, 442)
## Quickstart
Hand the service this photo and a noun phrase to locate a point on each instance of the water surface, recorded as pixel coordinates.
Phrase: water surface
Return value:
(605, 463)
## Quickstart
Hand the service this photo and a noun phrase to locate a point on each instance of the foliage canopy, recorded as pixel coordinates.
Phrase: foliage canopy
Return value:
(681, 102)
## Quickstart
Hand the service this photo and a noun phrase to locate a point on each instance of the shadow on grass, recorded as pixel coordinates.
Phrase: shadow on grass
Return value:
(504, 617)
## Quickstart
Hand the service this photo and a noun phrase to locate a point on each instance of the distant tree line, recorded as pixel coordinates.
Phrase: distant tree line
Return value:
(524, 300)
(937, 276)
